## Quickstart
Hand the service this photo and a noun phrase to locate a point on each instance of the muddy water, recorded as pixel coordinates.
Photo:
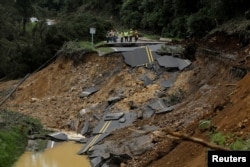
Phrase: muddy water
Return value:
(62, 155)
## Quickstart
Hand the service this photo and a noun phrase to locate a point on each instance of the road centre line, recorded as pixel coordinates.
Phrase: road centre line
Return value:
(93, 141)
(103, 129)
(149, 54)
(105, 126)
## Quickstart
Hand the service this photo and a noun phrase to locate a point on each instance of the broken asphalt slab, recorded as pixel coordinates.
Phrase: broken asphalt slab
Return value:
(173, 62)
(134, 145)
(109, 123)
(113, 116)
(57, 136)
(88, 92)
(159, 106)
(114, 124)
(140, 57)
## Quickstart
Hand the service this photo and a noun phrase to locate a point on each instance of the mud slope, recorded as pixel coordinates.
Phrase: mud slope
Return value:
(52, 94)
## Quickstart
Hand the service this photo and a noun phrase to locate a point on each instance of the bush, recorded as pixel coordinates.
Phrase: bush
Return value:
(179, 27)
(14, 129)
(205, 125)
(240, 144)
(12, 144)
(218, 138)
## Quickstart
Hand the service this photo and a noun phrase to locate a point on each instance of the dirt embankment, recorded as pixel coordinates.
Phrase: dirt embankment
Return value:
(209, 89)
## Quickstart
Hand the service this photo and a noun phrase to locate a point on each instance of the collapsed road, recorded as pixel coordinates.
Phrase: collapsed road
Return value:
(113, 119)
(160, 96)
(104, 154)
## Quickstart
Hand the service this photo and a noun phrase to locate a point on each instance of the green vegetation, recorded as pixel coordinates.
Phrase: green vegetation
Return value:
(205, 125)
(218, 138)
(25, 46)
(230, 140)
(240, 144)
(14, 131)
(227, 140)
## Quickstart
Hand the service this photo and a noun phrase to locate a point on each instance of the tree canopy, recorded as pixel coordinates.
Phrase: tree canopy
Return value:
(25, 46)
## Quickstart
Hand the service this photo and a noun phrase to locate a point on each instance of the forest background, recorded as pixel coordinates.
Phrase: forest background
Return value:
(25, 46)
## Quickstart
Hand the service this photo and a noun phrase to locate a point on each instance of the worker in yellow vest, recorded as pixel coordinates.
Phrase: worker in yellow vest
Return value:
(136, 35)
(126, 36)
(131, 32)
(122, 36)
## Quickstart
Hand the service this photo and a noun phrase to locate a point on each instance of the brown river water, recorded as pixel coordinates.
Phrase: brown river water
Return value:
(61, 155)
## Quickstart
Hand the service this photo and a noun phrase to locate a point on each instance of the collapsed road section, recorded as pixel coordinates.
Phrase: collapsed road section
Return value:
(146, 56)
(108, 124)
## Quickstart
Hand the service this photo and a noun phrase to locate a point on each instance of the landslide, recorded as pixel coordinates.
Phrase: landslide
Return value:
(52, 94)
(208, 90)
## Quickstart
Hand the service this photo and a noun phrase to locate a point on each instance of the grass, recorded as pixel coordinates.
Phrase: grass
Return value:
(104, 50)
(153, 37)
(86, 45)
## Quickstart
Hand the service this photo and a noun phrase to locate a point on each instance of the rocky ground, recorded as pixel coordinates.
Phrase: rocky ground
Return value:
(215, 88)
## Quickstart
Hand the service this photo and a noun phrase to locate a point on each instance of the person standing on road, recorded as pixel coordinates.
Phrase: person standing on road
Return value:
(122, 36)
(126, 36)
(115, 36)
(136, 35)
(131, 32)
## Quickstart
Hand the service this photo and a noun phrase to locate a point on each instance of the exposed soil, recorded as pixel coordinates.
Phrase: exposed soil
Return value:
(207, 90)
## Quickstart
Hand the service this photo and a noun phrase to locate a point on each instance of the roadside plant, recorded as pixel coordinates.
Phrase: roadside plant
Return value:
(218, 138)
(204, 125)
(240, 144)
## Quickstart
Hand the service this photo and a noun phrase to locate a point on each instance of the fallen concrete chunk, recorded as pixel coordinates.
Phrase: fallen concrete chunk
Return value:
(88, 92)
(85, 128)
(92, 141)
(148, 112)
(165, 110)
(100, 151)
(58, 136)
(114, 99)
(96, 162)
(140, 145)
(167, 84)
(157, 104)
(122, 120)
(173, 62)
(146, 80)
(83, 140)
(113, 116)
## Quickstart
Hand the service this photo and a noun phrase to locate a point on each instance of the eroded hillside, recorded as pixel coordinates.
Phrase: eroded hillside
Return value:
(212, 88)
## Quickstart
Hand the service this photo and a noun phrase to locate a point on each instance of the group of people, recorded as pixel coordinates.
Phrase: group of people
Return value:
(124, 36)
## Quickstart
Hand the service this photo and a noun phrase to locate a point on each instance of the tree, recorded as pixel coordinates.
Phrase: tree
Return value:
(25, 9)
